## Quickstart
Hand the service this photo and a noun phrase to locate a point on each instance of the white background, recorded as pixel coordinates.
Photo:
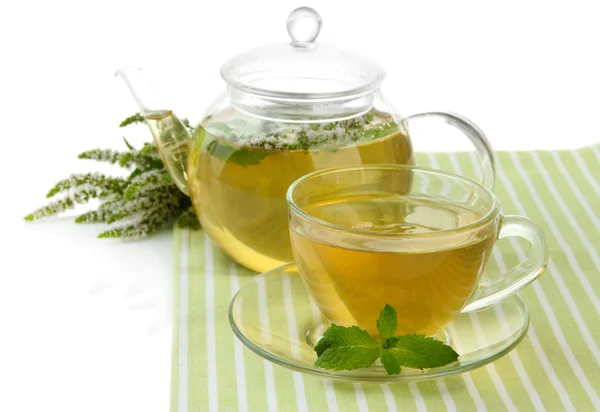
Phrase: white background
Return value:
(86, 322)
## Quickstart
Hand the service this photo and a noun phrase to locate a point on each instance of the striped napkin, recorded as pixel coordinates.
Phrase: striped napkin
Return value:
(555, 368)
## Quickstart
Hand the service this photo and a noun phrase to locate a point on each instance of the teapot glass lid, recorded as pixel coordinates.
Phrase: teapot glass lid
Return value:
(302, 68)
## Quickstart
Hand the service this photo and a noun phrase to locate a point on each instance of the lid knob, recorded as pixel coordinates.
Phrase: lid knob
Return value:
(303, 26)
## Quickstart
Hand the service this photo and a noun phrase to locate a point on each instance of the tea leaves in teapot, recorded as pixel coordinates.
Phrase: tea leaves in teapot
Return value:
(239, 155)
(243, 131)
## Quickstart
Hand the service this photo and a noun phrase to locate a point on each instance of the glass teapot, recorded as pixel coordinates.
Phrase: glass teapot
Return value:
(289, 109)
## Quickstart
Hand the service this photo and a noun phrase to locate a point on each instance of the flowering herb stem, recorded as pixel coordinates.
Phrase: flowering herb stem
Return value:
(147, 197)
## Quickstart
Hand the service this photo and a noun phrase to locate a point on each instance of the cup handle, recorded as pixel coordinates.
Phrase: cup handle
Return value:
(522, 274)
(475, 135)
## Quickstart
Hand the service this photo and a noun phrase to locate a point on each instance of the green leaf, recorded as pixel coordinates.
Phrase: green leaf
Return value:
(381, 131)
(242, 156)
(149, 149)
(347, 357)
(390, 363)
(387, 323)
(420, 352)
(343, 348)
(341, 336)
(136, 118)
(135, 173)
(129, 146)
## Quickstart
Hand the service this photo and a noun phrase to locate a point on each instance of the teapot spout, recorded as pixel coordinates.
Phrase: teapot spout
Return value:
(171, 136)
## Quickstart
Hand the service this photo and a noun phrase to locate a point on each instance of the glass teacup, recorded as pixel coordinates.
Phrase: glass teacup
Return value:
(414, 238)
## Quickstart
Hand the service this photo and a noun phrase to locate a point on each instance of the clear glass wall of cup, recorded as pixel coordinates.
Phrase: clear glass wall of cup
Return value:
(415, 238)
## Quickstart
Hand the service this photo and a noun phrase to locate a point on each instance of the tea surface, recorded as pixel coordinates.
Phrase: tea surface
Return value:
(241, 167)
(427, 282)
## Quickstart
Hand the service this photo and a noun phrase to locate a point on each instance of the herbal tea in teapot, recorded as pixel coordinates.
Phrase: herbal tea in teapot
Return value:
(240, 168)
(289, 109)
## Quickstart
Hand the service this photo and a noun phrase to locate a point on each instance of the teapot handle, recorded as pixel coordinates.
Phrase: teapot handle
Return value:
(475, 135)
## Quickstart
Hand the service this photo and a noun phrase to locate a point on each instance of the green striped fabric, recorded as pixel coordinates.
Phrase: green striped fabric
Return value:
(555, 368)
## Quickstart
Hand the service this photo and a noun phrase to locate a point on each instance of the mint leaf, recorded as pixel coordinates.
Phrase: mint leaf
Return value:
(347, 357)
(239, 155)
(420, 352)
(336, 336)
(245, 157)
(390, 363)
(343, 348)
(387, 323)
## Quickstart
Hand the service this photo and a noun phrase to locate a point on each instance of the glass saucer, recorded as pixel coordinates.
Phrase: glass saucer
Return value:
(274, 316)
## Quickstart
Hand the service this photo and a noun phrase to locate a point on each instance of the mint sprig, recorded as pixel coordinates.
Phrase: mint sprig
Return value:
(343, 348)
